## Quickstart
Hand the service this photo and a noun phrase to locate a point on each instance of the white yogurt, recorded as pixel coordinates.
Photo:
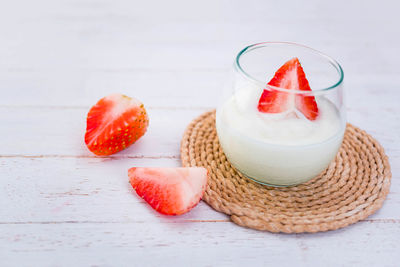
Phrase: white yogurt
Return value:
(278, 149)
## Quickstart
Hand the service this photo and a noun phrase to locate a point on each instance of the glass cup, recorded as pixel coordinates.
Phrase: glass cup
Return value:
(281, 148)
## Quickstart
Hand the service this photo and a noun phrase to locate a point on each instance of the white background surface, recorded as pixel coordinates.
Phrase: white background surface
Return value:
(62, 206)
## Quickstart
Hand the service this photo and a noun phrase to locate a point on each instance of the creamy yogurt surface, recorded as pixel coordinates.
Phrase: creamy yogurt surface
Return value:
(290, 128)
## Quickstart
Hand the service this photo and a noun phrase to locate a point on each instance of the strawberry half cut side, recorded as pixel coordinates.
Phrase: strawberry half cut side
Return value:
(170, 191)
(114, 123)
(290, 76)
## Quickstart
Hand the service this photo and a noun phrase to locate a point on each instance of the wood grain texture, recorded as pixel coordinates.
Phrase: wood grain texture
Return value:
(193, 244)
(61, 206)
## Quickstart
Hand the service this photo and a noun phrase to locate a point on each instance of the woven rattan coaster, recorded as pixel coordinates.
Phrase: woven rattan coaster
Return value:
(353, 187)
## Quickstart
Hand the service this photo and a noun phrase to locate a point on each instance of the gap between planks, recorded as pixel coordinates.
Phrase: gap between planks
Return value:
(88, 107)
(108, 222)
(91, 156)
(396, 221)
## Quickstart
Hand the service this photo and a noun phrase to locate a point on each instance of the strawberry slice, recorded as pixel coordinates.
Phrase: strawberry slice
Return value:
(306, 104)
(274, 101)
(170, 191)
(290, 76)
(114, 123)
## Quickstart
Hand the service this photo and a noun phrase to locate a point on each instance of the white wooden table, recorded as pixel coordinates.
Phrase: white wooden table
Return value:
(62, 206)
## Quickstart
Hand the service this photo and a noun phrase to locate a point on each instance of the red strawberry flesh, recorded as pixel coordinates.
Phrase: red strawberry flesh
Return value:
(306, 104)
(290, 76)
(170, 191)
(114, 123)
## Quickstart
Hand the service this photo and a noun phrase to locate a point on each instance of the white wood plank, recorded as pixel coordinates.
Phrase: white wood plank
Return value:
(97, 190)
(161, 88)
(194, 244)
(48, 131)
(156, 88)
(41, 190)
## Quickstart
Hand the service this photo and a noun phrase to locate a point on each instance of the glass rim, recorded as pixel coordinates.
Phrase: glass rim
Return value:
(333, 62)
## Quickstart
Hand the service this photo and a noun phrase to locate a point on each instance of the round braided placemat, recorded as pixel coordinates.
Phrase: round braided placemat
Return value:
(353, 187)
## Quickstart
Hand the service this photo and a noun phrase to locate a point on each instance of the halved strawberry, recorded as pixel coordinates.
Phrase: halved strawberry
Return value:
(290, 76)
(170, 191)
(114, 123)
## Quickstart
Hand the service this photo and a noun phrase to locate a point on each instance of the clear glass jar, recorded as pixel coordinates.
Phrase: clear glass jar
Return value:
(286, 148)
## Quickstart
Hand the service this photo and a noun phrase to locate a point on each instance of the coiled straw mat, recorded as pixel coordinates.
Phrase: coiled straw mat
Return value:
(353, 187)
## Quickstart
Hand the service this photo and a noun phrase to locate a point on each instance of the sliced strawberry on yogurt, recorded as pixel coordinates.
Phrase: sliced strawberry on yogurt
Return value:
(290, 76)
(274, 101)
(306, 104)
